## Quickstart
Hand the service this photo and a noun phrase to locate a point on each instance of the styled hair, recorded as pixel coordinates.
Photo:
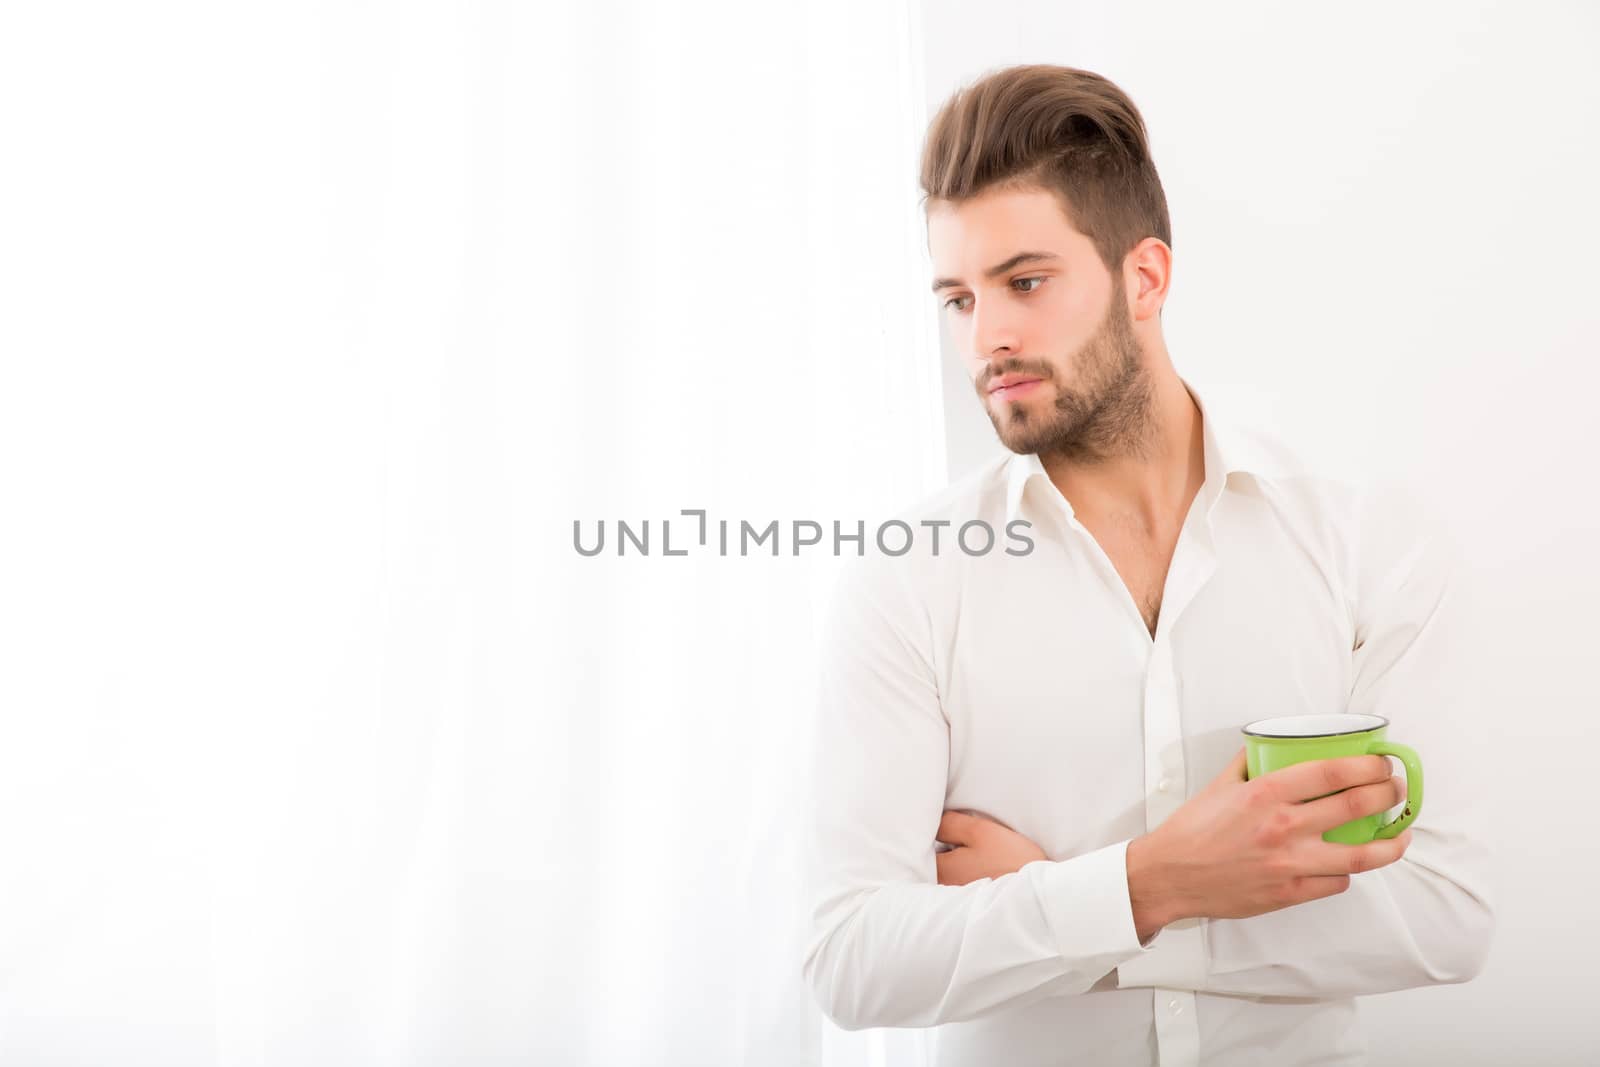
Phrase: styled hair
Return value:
(1070, 131)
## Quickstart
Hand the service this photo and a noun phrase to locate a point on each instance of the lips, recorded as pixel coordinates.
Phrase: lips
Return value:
(1008, 385)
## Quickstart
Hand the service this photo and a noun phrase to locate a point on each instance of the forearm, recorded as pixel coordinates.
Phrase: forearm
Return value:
(922, 955)
(1424, 920)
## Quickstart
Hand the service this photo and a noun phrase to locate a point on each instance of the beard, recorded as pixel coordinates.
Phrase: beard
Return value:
(1106, 414)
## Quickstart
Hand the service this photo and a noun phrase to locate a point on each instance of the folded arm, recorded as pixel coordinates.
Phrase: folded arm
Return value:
(887, 944)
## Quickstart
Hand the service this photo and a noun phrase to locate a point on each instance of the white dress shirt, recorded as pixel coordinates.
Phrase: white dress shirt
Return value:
(1027, 688)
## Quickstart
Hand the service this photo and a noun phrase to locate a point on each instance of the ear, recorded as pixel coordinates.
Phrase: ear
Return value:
(1147, 275)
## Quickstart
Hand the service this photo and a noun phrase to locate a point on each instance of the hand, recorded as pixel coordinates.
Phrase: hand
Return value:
(984, 849)
(1240, 848)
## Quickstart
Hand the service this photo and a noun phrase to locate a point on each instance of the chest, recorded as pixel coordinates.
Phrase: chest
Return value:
(1061, 707)
(1141, 559)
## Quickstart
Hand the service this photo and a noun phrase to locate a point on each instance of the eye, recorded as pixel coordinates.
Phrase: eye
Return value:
(1019, 281)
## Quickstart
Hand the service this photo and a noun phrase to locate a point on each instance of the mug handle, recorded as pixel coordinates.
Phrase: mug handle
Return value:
(1407, 755)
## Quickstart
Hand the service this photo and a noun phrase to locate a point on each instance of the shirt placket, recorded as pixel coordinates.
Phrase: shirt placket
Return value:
(1179, 956)
(1182, 950)
(1166, 785)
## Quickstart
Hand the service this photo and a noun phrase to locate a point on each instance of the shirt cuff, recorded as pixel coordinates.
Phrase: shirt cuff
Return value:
(1086, 903)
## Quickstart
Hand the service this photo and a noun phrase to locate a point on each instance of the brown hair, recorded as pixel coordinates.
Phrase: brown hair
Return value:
(1070, 131)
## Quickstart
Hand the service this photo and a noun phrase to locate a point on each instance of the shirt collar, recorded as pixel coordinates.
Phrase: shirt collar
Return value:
(1226, 451)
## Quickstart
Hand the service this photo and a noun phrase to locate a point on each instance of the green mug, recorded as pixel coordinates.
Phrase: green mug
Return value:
(1289, 739)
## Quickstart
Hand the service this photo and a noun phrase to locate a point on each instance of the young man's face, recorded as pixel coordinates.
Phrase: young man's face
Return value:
(1048, 342)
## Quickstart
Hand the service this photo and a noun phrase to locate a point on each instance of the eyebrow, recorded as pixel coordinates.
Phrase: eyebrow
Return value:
(999, 268)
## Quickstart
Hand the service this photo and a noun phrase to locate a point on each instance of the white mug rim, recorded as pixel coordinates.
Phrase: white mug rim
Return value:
(1256, 728)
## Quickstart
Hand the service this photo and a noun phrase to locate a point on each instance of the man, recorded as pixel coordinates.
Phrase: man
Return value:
(1069, 719)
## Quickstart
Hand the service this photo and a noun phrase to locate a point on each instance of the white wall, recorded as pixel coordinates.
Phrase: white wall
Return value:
(1383, 234)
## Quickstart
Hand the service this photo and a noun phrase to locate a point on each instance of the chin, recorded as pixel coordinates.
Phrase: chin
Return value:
(998, 404)
(1015, 436)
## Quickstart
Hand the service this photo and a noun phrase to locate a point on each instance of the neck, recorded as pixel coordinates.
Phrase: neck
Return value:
(1147, 475)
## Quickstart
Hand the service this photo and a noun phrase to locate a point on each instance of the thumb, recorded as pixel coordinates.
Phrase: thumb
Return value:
(1237, 769)
(956, 827)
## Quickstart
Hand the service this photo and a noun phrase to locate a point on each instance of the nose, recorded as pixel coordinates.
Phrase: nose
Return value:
(995, 334)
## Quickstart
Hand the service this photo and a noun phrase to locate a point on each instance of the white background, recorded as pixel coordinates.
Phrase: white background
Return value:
(321, 323)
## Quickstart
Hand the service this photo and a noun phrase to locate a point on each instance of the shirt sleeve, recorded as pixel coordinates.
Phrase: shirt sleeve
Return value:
(1418, 661)
(887, 945)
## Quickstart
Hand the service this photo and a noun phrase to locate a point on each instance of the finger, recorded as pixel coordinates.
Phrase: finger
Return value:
(1237, 770)
(956, 828)
(1333, 859)
(1320, 777)
(1380, 853)
(1327, 812)
(1403, 841)
(957, 867)
(1315, 887)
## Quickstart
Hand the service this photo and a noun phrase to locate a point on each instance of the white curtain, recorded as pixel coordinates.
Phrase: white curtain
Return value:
(322, 743)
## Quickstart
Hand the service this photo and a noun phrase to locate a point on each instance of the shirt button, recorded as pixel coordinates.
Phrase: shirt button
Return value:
(1164, 785)
(1177, 1009)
